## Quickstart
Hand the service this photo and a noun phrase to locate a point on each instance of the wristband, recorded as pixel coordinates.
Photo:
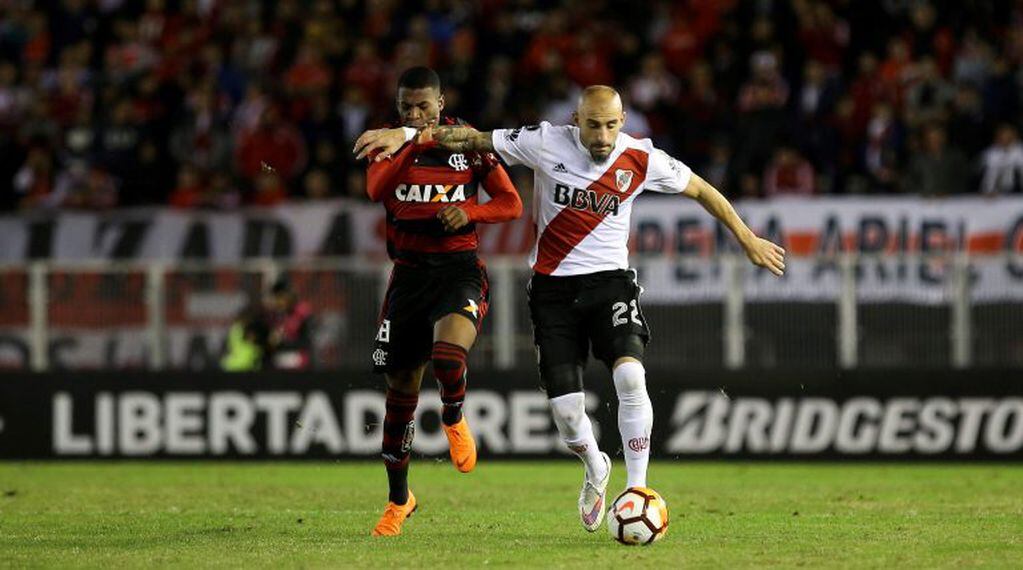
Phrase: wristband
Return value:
(410, 133)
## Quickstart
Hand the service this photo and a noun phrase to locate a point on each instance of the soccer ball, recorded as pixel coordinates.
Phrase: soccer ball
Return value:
(638, 516)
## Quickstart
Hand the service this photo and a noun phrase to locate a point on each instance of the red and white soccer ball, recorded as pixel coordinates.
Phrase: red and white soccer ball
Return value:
(638, 516)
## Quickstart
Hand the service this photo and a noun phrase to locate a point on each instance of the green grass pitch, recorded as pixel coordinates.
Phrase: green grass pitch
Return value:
(507, 514)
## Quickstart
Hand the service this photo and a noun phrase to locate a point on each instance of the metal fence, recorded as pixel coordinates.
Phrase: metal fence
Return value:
(157, 316)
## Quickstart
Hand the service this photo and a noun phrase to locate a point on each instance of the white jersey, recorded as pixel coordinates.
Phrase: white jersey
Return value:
(581, 208)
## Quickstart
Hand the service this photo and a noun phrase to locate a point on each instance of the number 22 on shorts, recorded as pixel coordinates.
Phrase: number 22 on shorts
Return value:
(618, 311)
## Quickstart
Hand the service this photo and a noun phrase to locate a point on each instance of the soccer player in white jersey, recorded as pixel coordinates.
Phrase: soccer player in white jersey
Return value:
(582, 295)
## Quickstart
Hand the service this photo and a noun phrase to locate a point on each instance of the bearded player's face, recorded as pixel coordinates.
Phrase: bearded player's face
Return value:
(419, 107)
(598, 129)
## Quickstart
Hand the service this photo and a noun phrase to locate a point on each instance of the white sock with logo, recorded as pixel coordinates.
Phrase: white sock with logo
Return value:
(576, 431)
(635, 420)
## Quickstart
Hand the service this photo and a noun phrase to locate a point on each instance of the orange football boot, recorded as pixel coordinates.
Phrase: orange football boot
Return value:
(463, 446)
(394, 515)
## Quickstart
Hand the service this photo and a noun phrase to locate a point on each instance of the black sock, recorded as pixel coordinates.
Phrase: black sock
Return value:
(397, 480)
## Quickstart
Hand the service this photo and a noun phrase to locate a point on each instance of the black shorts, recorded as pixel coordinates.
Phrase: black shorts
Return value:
(420, 295)
(572, 314)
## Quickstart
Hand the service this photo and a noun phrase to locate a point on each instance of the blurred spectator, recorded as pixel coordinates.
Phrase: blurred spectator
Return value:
(34, 182)
(937, 169)
(269, 189)
(14, 97)
(201, 138)
(883, 148)
(291, 328)
(354, 115)
(189, 192)
(823, 35)
(273, 142)
(317, 185)
(653, 86)
(896, 71)
(762, 103)
(247, 341)
(223, 194)
(716, 170)
(788, 174)
(967, 120)
(930, 95)
(120, 139)
(84, 187)
(309, 74)
(1002, 163)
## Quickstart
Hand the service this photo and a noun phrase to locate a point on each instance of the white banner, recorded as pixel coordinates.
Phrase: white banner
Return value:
(900, 237)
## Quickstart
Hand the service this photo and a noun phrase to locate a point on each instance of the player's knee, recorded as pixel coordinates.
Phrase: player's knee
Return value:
(630, 381)
(632, 345)
(561, 379)
(405, 383)
(569, 409)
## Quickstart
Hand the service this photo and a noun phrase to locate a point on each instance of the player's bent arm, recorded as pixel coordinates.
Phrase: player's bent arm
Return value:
(463, 139)
(759, 251)
(504, 204)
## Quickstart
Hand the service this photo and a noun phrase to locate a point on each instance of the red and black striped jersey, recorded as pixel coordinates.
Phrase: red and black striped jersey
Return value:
(421, 179)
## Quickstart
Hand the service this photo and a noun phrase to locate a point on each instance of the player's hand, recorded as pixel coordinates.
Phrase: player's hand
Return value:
(766, 254)
(455, 138)
(383, 141)
(453, 218)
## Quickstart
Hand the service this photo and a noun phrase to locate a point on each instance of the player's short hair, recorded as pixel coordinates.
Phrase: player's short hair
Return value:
(419, 77)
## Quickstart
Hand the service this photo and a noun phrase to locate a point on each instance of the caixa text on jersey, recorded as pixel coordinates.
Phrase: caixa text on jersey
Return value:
(430, 192)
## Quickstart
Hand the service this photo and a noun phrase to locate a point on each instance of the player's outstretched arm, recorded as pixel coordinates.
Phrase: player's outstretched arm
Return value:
(381, 144)
(759, 251)
(458, 138)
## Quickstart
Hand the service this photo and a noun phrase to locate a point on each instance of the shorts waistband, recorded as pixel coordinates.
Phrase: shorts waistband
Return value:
(582, 278)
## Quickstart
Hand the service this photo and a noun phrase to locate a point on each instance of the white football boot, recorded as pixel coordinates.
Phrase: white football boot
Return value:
(591, 499)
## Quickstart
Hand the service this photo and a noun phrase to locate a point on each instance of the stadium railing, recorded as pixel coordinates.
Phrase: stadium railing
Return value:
(947, 310)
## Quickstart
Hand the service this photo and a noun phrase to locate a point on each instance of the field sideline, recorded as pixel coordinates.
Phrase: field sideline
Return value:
(505, 514)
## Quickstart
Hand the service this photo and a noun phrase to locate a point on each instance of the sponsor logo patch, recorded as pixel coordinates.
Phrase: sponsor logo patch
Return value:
(472, 308)
(623, 179)
(458, 162)
(431, 192)
(639, 443)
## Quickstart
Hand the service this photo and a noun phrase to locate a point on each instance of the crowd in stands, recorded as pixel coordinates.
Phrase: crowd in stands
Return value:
(221, 103)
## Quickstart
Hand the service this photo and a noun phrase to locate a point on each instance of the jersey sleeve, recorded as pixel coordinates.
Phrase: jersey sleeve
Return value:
(383, 176)
(666, 174)
(522, 145)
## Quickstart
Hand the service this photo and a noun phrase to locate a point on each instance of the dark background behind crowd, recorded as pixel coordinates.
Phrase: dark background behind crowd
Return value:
(108, 103)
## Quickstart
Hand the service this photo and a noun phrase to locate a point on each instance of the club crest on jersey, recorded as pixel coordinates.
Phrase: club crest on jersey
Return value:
(430, 192)
(579, 199)
(623, 179)
(458, 162)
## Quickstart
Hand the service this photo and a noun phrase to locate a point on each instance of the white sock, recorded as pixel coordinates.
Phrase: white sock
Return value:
(635, 420)
(576, 431)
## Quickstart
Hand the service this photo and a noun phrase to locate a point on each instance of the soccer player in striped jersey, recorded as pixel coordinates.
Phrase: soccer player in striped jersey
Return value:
(438, 293)
(583, 297)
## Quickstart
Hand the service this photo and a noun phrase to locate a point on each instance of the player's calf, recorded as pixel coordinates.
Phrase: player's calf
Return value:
(449, 369)
(399, 431)
(635, 420)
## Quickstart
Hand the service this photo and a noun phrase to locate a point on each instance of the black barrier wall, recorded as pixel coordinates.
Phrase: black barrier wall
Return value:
(827, 415)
